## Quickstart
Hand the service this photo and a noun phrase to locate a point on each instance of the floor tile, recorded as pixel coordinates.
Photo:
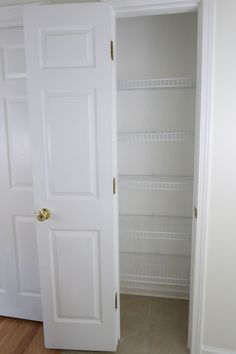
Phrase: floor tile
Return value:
(134, 335)
(151, 325)
(132, 305)
(168, 326)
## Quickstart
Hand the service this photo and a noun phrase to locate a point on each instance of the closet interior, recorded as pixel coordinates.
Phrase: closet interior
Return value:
(156, 94)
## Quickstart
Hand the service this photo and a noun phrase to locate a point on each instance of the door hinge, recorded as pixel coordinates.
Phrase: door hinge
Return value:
(112, 50)
(116, 301)
(114, 185)
(195, 212)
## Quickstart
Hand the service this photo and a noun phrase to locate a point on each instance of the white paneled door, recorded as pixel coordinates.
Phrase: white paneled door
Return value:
(19, 274)
(71, 104)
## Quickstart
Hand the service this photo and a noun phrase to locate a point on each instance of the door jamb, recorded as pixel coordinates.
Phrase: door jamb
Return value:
(206, 23)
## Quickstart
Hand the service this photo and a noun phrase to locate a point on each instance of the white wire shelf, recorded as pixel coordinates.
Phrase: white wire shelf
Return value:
(179, 82)
(155, 227)
(135, 269)
(155, 182)
(155, 136)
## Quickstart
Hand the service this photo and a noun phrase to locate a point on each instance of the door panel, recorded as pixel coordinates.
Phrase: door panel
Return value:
(26, 252)
(19, 142)
(19, 273)
(71, 100)
(75, 113)
(67, 47)
(78, 247)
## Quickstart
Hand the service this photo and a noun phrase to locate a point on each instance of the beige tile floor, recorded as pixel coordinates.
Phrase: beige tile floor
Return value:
(151, 325)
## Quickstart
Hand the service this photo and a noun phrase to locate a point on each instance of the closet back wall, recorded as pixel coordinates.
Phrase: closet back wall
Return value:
(156, 147)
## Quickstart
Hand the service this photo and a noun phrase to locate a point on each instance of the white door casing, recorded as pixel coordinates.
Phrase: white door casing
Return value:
(19, 275)
(71, 106)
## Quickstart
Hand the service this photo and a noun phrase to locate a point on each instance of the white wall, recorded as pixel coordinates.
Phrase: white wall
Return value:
(220, 296)
(153, 47)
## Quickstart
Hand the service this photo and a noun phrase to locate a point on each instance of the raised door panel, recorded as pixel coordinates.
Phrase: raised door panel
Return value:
(76, 252)
(18, 142)
(14, 61)
(68, 47)
(27, 257)
(70, 139)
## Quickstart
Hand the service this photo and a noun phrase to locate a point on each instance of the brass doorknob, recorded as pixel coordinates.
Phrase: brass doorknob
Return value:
(43, 214)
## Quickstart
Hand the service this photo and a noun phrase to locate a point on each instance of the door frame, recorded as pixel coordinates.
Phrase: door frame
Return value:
(12, 16)
(204, 88)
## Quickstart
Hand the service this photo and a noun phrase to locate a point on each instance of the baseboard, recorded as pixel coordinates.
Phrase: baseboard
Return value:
(214, 350)
(154, 293)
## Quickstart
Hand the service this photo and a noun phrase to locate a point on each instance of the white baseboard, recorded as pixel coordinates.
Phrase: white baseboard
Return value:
(213, 350)
(154, 293)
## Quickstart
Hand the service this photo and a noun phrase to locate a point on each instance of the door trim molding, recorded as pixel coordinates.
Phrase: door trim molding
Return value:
(132, 8)
(206, 20)
(206, 31)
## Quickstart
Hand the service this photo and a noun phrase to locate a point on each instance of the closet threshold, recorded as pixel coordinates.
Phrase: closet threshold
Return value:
(156, 182)
(141, 84)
